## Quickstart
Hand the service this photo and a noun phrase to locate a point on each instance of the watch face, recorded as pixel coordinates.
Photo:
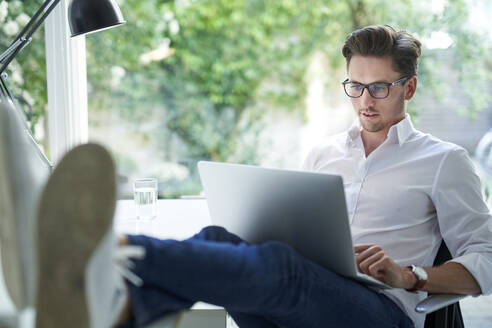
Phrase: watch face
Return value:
(420, 273)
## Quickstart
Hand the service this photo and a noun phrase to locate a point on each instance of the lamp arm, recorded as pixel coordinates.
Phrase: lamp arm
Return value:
(34, 18)
(21, 36)
(10, 49)
(5, 88)
(25, 36)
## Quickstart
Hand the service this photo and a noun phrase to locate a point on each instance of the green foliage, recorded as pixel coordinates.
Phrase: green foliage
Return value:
(234, 60)
(27, 73)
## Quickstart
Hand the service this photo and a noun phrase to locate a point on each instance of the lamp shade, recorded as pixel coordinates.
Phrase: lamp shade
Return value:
(87, 16)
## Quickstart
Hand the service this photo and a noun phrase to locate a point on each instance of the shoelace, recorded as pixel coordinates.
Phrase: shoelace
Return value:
(122, 258)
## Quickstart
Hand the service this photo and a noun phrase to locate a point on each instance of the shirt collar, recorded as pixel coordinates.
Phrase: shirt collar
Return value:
(398, 133)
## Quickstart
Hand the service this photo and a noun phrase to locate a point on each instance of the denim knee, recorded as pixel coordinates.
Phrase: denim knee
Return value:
(214, 230)
(217, 233)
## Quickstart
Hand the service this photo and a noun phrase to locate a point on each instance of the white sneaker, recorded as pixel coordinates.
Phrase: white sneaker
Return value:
(23, 172)
(80, 275)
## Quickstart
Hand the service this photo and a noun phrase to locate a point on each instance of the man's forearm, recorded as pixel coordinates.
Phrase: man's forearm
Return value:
(451, 278)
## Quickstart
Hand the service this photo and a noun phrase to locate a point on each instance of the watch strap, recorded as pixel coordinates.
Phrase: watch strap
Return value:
(419, 284)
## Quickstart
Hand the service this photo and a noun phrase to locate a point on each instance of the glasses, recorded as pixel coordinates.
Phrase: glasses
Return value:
(378, 90)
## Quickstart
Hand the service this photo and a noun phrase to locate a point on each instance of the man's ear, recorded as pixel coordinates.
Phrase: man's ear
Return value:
(410, 87)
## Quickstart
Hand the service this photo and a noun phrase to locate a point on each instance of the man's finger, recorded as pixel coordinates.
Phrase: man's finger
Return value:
(361, 256)
(362, 247)
(365, 265)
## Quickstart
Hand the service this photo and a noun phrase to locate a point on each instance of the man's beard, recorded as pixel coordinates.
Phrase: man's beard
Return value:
(372, 127)
(380, 124)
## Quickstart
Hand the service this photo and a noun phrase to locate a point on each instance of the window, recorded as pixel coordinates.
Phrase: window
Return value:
(251, 81)
(242, 81)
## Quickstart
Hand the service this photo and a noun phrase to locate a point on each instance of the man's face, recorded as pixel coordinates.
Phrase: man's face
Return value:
(377, 115)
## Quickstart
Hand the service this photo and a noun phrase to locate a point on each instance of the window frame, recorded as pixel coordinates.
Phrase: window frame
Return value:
(66, 74)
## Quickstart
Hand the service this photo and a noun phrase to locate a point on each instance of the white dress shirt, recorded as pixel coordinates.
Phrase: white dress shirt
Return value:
(406, 196)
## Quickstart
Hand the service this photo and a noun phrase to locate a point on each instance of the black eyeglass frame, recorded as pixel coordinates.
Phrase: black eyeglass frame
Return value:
(368, 87)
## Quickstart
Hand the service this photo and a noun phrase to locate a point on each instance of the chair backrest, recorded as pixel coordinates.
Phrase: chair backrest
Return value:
(449, 316)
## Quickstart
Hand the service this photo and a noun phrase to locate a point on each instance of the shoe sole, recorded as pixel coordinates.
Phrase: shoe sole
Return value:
(9, 245)
(75, 212)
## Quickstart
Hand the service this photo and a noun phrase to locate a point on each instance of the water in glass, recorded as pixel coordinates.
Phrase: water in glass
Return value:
(145, 202)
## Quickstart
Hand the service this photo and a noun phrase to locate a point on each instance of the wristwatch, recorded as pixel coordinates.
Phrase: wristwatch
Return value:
(421, 276)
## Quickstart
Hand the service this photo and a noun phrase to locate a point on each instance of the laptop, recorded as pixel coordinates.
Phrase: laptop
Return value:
(305, 210)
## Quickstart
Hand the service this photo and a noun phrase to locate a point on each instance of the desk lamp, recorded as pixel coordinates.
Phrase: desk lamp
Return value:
(84, 16)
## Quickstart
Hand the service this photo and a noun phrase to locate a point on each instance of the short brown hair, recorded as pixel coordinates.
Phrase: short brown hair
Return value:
(382, 41)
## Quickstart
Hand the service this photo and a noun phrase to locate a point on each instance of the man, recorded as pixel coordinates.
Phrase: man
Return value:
(406, 191)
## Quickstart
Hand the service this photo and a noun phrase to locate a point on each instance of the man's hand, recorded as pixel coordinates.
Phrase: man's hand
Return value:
(372, 261)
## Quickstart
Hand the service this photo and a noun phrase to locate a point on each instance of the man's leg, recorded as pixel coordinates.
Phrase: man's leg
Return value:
(269, 281)
(215, 233)
(81, 271)
(219, 234)
(78, 283)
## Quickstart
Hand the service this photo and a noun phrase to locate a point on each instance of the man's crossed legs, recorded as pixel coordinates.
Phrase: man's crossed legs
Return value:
(267, 285)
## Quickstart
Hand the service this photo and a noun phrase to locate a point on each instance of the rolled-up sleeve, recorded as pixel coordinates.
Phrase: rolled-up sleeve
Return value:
(464, 218)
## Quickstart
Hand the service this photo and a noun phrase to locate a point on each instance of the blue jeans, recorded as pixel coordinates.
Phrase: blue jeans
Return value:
(267, 285)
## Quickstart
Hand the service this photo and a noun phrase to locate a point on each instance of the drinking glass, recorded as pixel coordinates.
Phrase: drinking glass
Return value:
(145, 195)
